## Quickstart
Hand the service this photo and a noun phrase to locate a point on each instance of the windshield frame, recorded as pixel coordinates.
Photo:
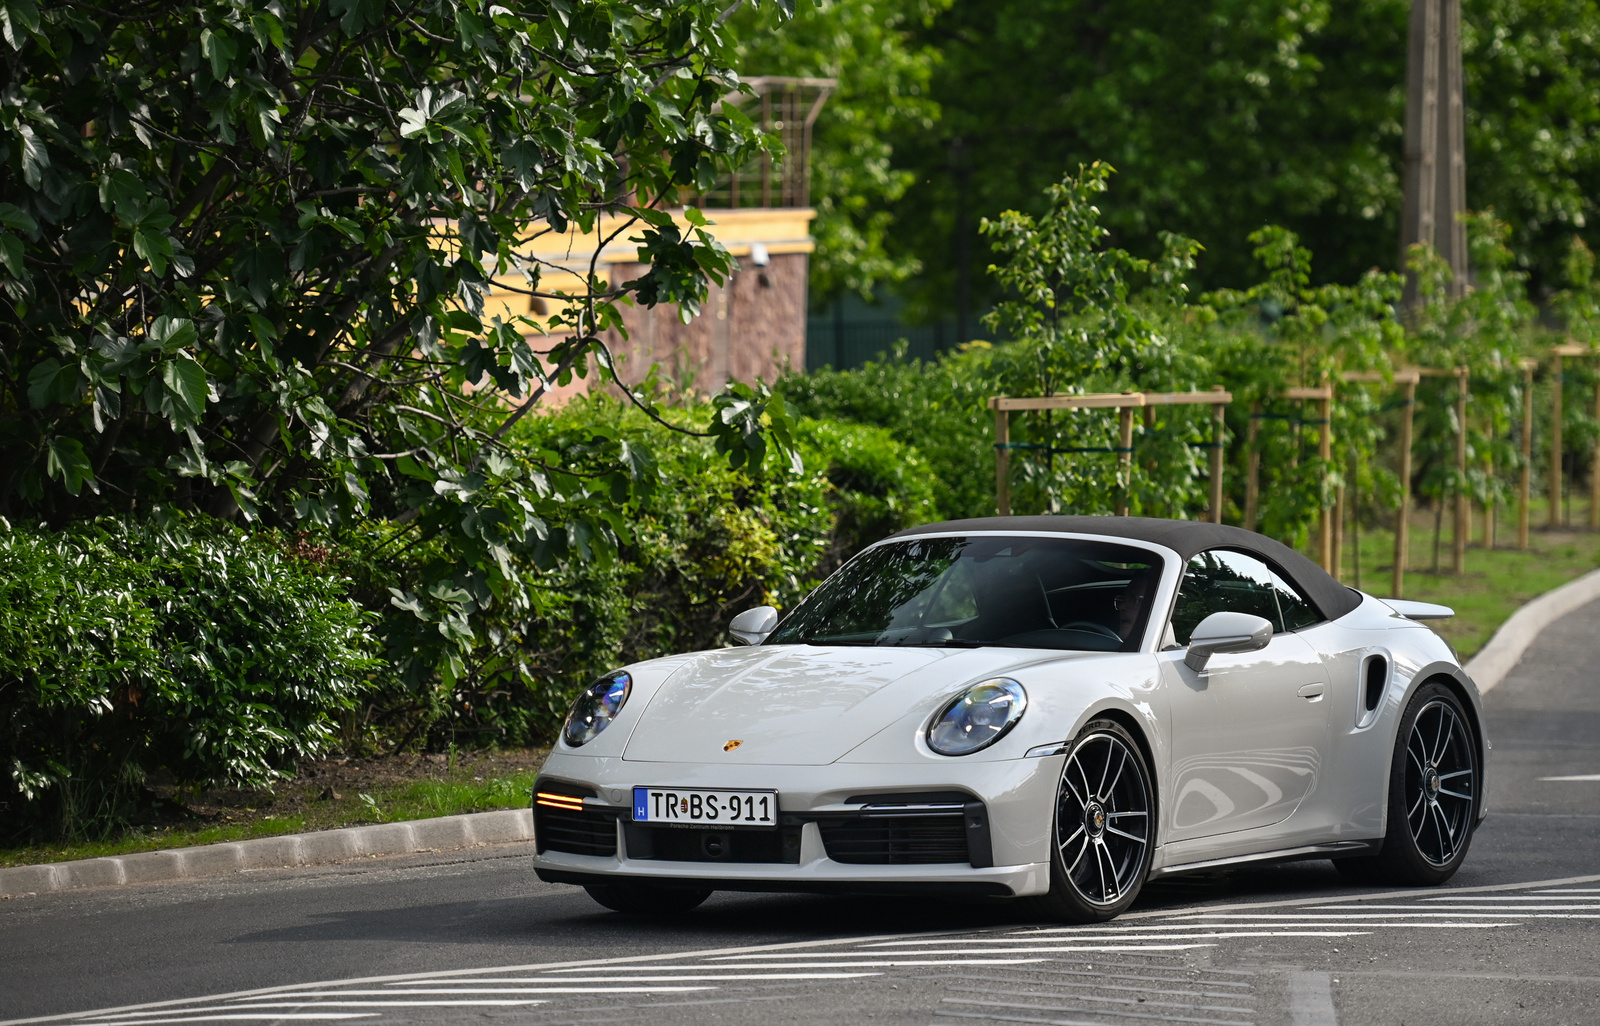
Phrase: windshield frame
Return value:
(1158, 603)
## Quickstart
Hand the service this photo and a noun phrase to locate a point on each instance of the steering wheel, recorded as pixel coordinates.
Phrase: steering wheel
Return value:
(1090, 627)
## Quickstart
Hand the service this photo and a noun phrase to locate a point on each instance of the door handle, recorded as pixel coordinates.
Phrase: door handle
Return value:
(1312, 692)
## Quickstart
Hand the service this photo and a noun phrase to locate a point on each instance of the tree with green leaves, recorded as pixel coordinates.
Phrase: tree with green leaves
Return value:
(876, 51)
(1086, 317)
(245, 247)
(1226, 115)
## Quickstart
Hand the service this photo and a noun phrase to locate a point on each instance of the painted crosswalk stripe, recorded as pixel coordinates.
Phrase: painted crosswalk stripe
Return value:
(1102, 999)
(1080, 948)
(605, 989)
(1049, 949)
(1514, 898)
(392, 1004)
(1210, 1020)
(694, 973)
(1471, 908)
(212, 1018)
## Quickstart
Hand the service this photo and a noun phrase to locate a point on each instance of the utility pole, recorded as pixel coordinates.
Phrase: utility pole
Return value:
(1435, 149)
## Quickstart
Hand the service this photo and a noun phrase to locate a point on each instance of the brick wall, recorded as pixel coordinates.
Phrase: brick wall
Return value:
(752, 327)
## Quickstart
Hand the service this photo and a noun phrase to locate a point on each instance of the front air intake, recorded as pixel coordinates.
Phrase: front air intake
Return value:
(562, 822)
(908, 830)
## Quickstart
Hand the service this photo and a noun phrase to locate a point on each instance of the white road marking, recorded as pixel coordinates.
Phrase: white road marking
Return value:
(1102, 999)
(212, 1018)
(879, 964)
(1474, 908)
(1234, 995)
(1286, 929)
(974, 961)
(1311, 1000)
(1587, 777)
(486, 1001)
(729, 975)
(401, 1004)
(1069, 1008)
(1206, 919)
(1081, 949)
(1513, 898)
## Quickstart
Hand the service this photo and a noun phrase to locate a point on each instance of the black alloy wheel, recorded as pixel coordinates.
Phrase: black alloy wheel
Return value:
(1434, 793)
(1104, 826)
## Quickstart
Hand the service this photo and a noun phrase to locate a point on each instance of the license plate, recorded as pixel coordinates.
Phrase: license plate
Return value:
(667, 806)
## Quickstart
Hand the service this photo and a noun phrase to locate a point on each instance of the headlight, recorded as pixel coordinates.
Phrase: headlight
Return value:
(597, 705)
(978, 717)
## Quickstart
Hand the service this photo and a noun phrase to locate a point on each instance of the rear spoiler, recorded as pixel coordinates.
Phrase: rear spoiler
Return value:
(1419, 610)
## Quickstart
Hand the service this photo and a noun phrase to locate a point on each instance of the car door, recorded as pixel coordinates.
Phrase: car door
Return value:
(1250, 732)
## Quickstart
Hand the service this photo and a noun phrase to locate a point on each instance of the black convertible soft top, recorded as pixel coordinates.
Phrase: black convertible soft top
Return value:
(1186, 538)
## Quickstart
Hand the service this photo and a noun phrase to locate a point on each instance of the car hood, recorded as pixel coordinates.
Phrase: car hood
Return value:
(798, 705)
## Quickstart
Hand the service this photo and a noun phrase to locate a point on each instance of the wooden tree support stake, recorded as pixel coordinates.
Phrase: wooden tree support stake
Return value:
(1557, 387)
(1463, 514)
(1525, 491)
(1402, 520)
(1124, 403)
(1594, 468)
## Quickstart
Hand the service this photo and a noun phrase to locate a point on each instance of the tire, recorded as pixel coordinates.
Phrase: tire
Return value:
(1435, 791)
(1103, 827)
(643, 898)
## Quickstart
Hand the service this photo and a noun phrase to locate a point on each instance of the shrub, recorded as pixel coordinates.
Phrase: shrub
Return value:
(877, 485)
(183, 648)
(704, 543)
(936, 408)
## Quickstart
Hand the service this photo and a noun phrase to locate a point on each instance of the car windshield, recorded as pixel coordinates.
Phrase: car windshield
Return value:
(1018, 592)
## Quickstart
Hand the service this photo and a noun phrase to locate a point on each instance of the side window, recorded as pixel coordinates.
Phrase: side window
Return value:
(1296, 611)
(1224, 581)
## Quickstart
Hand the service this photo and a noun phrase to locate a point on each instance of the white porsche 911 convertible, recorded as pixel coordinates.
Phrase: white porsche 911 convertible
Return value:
(1046, 707)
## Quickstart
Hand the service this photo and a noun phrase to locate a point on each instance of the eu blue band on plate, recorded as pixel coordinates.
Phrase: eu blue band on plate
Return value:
(641, 803)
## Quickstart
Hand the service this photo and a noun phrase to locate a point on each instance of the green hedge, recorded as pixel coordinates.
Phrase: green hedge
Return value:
(705, 543)
(190, 651)
(185, 650)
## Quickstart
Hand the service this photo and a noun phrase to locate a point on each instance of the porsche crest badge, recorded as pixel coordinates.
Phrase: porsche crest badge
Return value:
(731, 745)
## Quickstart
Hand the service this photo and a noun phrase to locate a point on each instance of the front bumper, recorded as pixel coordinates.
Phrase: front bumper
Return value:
(842, 827)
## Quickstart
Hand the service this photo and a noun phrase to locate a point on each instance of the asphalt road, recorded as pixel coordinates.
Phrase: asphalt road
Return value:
(1514, 938)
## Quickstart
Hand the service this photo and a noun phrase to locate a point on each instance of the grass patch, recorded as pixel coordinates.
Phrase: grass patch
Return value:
(1493, 583)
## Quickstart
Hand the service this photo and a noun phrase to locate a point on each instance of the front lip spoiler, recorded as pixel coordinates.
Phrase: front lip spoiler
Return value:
(884, 888)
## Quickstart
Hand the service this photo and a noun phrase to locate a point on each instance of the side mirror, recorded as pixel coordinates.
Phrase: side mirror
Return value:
(1226, 632)
(752, 626)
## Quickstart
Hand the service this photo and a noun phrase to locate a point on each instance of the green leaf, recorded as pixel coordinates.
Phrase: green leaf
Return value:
(11, 255)
(155, 248)
(186, 379)
(17, 17)
(13, 216)
(67, 462)
(35, 158)
(267, 29)
(50, 382)
(218, 46)
(173, 333)
(356, 15)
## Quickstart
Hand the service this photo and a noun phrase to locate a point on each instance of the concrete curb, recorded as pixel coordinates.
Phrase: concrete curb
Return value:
(323, 846)
(1504, 650)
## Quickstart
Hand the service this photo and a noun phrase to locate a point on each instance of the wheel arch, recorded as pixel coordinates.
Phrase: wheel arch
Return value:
(1136, 729)
(1455, 680)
